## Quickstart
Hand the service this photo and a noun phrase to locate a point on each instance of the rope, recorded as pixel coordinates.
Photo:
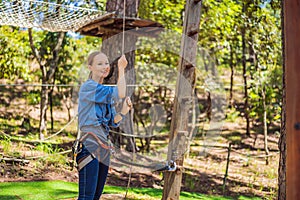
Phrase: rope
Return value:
(63, 128)
(123, 34)
(137, 136)
(130, 172)
(113, 85)
(133, 147)
(48, 16)
(70, 85)
(133, 153)
(67, 6)
(58, 153)
(35, 157)
(58, 132)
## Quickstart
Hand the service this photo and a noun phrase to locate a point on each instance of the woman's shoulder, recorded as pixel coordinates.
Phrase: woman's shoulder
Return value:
(93, 85)
(89, 84)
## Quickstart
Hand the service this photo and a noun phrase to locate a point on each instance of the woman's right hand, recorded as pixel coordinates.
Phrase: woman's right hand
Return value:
(122, 62)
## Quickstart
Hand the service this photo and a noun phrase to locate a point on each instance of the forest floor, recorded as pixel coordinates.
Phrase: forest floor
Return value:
(203, 171)
(204, 168)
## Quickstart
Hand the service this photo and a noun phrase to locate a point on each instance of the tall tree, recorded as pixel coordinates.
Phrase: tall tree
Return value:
(244, 64)
(47, 56)
(112, 47)
(282, 140)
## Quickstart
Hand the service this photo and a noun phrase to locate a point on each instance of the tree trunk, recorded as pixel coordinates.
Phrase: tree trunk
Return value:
(184, 95)
(112, 47)
(47, 75)
(282, 147)
(51, 104)
(282, 139)
(43, 110)
(246, 106)
(263, 91)
(231, 77)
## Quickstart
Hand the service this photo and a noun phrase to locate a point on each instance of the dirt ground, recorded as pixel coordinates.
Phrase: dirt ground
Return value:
(204, 169)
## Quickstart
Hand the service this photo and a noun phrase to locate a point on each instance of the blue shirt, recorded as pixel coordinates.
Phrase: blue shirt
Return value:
(96, 106)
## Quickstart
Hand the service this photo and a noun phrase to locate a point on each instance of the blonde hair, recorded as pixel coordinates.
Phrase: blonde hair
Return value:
(91, 59)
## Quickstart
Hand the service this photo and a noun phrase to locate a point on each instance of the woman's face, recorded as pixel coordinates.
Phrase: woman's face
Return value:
(100, 66)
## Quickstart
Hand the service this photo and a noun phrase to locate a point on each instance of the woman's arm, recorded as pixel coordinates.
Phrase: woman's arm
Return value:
(121, 84)
(127, 105)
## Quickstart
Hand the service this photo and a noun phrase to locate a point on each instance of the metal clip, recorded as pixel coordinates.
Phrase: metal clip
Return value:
(170, 166)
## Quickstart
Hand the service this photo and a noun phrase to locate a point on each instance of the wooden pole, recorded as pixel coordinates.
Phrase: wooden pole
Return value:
(184, 96)
(227, 167)
(292, 77)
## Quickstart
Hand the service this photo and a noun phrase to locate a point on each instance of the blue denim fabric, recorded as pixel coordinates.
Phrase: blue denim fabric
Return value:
(96, 105)
(92, 177)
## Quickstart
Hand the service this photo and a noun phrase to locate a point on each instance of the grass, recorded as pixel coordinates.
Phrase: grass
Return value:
(41, 190)
(54, 190)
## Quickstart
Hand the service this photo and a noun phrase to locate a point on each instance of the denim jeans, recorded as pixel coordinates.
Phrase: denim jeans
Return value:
(92, 177)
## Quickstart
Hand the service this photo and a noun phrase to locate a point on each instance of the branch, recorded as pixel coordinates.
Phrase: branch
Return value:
(33, 48)
(14, 160)
(59, 42)
(55, 53)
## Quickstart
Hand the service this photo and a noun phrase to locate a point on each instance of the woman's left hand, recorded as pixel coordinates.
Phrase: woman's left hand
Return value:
(127, 105)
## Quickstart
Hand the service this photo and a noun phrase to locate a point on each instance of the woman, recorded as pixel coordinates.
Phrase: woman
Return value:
(96, 113)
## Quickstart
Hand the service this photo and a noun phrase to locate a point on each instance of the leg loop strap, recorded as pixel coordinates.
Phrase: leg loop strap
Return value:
(84, 161)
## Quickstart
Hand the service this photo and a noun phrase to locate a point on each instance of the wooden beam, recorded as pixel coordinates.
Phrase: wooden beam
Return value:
(292, 77)
(110, 21)
(94, 25)
(184, 96)
(97, 20)
(145, 32)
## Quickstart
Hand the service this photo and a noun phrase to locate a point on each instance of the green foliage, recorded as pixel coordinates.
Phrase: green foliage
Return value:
(78, 49)
(6, 144)
(48, 148)
(52, 157)
(167, 12)
(14, 53)
(222, 25)
(232, 115)
(33, 97)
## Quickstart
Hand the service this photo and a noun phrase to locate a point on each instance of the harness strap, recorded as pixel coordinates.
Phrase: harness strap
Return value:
(87, 159)
(84, 161)
(104, 146)
(75, 147)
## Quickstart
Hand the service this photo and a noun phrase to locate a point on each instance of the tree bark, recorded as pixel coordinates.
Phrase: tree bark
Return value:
(292, 85)
(112, 47)
(231, 77)
(246, 106)
(263, 91)
(282, 148)
(282, 139)
(184, 95)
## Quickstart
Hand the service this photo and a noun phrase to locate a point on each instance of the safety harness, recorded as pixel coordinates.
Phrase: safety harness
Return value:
(77, 148)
